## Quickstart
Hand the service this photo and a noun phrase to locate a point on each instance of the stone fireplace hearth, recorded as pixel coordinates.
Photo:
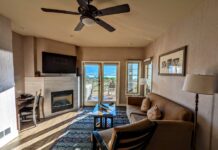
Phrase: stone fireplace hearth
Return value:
(61, 94)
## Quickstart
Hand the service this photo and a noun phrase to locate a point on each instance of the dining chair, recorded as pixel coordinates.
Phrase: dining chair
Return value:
(30, 112)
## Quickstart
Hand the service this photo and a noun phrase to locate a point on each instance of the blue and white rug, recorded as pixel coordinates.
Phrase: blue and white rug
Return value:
(78, 135)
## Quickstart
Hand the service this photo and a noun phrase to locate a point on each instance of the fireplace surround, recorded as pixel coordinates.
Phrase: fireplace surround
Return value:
(49, 85)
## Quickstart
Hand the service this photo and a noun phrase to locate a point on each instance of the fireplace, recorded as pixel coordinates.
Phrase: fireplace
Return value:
(61, 100)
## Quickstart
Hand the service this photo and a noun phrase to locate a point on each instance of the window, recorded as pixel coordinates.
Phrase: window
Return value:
(133, 72)
(148, 76)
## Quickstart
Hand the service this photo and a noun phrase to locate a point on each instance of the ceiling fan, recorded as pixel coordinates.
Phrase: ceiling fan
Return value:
(89, 14)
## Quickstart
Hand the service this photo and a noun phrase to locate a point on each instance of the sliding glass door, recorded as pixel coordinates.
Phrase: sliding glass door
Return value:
(100, 82)
(91, 82)
(110, 77)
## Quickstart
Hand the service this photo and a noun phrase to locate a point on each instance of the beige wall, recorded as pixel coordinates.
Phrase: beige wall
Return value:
(18, 53)
(5, 33)
(29, 54)
(200, 32)
(54, 47)
(112, 54)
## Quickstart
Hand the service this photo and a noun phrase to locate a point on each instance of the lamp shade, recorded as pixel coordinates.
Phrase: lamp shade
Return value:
(200, 84)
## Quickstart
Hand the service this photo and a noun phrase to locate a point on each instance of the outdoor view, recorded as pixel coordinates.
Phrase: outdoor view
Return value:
(92, 82)
(133, 73)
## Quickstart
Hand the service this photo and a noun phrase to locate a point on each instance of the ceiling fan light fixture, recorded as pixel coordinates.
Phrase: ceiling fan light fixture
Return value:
(88, 21)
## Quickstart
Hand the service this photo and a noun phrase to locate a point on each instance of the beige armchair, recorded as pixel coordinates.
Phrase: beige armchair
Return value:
(132, 136)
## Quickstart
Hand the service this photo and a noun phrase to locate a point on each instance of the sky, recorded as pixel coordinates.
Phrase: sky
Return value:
(109, 70)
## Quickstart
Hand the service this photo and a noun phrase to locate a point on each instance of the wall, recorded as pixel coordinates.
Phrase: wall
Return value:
(18, 53)
(7, 98)
(112, 54)
(5, 30)
(29, 56)
(54, 47)
(200, 32)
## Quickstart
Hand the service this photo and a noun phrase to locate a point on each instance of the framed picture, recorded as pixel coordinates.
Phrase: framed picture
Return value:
(173, 63)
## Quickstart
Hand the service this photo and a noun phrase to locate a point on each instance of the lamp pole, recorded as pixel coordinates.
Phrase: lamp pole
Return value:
(195, 120)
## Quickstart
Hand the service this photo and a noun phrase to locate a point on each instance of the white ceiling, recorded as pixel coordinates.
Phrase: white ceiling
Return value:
(147, 20)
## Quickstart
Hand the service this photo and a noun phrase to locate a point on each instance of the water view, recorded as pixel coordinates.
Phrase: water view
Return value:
(93, 84)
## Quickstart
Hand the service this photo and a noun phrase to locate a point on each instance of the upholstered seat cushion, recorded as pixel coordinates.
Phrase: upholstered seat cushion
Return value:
(136, 117)
(132, 109)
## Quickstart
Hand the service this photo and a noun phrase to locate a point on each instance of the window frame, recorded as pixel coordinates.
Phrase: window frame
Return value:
(148, 62)
(139, 76)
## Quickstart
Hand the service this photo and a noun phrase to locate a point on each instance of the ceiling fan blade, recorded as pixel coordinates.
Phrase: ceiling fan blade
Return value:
(59, 11)
(114, 10)
(79, 26)
(105, 25)
(83, 3)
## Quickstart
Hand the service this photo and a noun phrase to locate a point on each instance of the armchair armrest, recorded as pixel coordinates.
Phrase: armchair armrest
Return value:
(98, 140)
(137, 101)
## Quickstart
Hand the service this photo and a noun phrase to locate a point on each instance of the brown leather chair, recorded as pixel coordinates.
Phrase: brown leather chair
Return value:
(134, 136)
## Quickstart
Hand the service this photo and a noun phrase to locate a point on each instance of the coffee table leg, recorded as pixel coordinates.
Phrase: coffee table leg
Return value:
(105, 123)
(94, 123)
(101, 122)
(112, 122)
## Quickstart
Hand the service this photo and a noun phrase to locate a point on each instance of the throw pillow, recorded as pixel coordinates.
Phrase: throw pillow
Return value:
(145, 105)
(154, 113)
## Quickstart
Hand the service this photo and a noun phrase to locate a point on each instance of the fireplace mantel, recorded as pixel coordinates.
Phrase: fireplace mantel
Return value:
(53, 84)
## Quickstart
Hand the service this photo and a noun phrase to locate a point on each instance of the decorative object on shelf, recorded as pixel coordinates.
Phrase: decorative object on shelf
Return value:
(37, 74)
(199, 84)
(173, 63)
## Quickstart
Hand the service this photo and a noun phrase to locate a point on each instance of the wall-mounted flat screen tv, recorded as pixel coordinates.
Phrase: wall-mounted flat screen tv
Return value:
(58, 63)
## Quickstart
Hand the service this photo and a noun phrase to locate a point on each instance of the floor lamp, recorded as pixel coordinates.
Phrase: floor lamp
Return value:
(199, 84)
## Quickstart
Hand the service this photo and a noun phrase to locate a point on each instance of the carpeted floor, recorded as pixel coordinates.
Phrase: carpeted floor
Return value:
(78, 135)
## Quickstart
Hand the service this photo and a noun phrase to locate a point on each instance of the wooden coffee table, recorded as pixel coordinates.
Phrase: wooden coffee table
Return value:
(103, 116)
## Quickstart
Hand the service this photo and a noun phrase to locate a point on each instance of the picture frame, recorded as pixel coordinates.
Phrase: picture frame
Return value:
(173, 63)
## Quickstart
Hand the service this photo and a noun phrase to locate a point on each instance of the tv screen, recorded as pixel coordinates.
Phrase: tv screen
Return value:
(57, 63)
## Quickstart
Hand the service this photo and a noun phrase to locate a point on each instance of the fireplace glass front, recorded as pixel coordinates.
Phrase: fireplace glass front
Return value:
(61, 100)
